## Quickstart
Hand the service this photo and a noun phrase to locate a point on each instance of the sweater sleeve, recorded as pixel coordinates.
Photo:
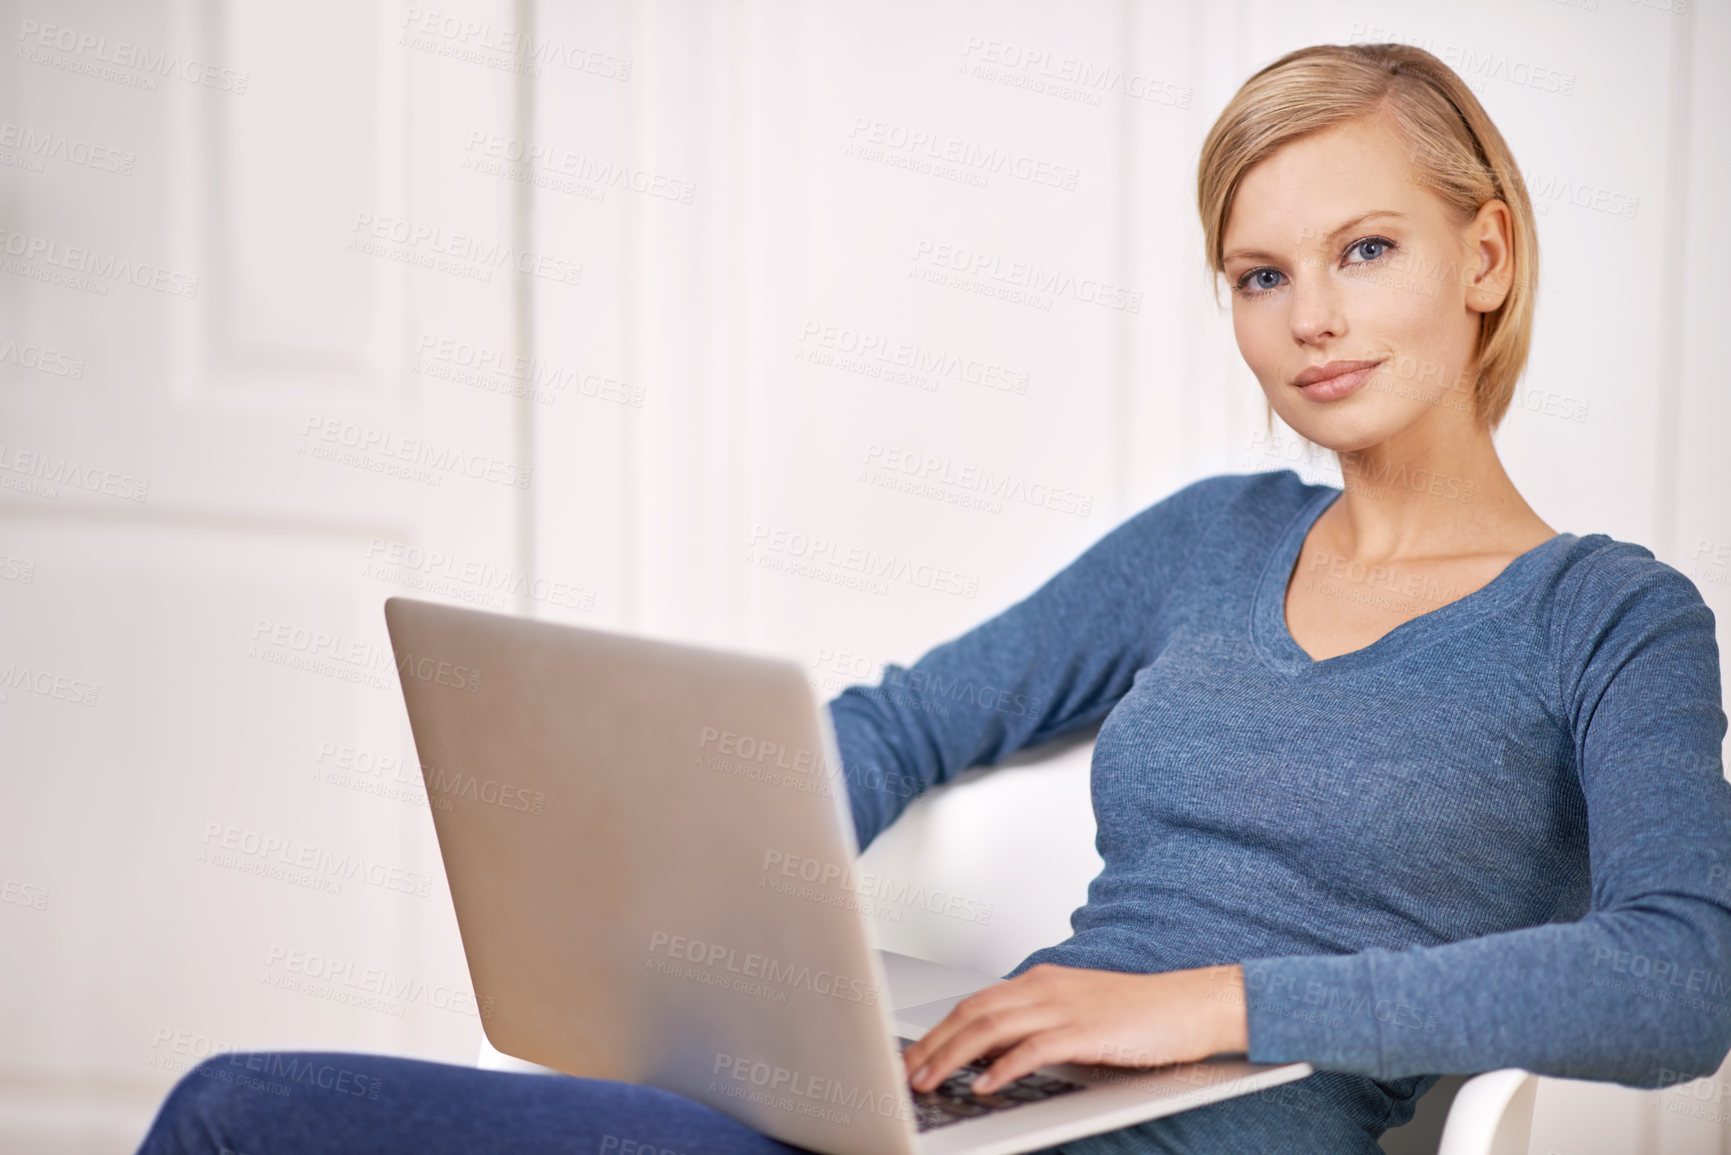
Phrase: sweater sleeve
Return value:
(1059, 659)
(1638, 991)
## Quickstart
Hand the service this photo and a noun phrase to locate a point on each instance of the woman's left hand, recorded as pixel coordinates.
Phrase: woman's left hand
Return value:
(1057, 1014)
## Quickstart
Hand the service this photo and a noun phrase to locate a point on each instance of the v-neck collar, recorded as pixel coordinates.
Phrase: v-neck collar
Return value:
(1273, 639)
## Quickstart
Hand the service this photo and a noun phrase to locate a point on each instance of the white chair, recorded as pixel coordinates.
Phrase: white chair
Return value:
(1492, 1115)
(493, 1059)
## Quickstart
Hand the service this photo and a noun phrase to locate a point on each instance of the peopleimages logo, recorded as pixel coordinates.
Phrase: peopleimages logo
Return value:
(930, 475)
(820, 557)
(88, 53)
(41, 144)
(1068, 77)
(324, 650)
(443, 785)
(762, 750)
(23, 894)
(910, 355)
(319, 868)
(755, 1081)
(82, 261)
(467, 579)
(544, 381)
(580, 168)
(51, 471)
(468, 39)
(990, 269)
(373, 988)
(478, 255)
(841, 880)
(388, 448)
(750, 965)
(49, 361)
(873, 139)
(47, 684)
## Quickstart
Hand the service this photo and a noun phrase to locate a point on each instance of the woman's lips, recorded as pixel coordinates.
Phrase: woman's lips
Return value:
(1338, 384)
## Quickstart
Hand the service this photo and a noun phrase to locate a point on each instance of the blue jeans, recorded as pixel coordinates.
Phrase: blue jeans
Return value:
(307, 1103)
(355, 1104)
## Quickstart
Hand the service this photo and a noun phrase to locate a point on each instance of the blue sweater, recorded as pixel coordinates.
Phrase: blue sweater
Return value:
(1498, 836)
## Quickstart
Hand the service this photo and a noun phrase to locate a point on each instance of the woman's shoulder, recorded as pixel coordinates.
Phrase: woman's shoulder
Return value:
(1231, 501)
(1240, 512)
(1615, 600)
(1599, 577)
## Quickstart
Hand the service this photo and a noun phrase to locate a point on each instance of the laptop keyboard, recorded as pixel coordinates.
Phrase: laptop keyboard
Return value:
(951, 1101)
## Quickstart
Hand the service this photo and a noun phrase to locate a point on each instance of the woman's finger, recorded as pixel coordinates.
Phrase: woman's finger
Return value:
(1011, 992)
(1057, 1045)
(981, 1034)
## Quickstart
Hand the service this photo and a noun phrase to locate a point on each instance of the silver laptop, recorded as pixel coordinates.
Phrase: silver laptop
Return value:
(651, 855)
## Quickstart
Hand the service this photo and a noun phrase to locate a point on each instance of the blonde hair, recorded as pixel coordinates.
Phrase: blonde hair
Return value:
(1453, 149)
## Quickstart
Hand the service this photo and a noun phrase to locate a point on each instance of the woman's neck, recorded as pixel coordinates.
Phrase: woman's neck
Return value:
(1421, 496)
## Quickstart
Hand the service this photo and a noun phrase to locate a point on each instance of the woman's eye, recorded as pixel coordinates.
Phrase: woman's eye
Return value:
(1372, 247)
(1259, 281)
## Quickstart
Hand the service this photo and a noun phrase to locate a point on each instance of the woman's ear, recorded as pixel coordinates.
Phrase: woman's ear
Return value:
(1490, 239)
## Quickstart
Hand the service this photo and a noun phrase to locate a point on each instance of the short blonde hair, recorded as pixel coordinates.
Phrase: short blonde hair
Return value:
(1453, 149)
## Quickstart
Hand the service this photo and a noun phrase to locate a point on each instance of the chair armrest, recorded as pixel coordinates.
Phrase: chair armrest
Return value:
(1492, 1115)
(491, 1058)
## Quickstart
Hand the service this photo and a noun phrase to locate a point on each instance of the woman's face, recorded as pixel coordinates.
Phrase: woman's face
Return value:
(1339, 259)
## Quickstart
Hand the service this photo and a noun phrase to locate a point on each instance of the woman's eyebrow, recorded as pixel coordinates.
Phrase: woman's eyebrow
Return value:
(1260, 255)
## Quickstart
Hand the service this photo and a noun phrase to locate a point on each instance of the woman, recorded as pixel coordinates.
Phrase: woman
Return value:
(1393, 779)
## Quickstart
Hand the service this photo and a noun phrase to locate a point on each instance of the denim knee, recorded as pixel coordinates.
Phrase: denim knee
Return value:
(191, 1119)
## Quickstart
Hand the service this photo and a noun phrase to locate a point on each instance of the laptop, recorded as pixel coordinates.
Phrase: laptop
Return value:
(651, 856)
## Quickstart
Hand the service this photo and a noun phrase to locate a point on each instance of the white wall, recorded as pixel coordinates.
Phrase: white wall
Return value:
(702, 411)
